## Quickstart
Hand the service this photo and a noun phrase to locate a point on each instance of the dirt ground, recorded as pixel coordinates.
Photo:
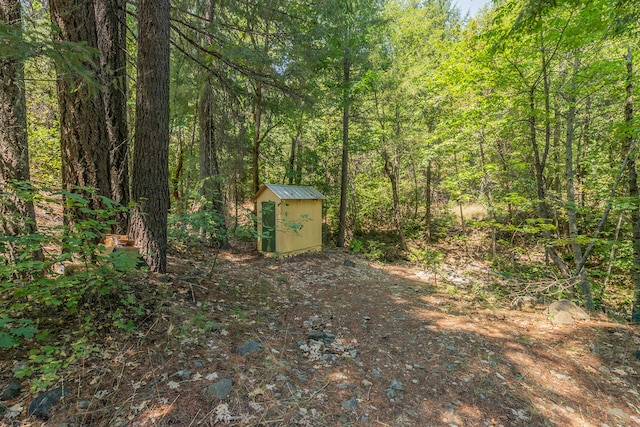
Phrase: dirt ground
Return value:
(332, 339)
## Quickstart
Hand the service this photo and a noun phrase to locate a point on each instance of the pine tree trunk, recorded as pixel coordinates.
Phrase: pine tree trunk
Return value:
(257, 138)
(112, 42)
(150, 184)
(17, 216)
(344, 186)
(209, 168)
(84, 142)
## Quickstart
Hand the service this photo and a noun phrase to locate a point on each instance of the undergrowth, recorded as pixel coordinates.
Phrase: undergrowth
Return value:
(58, 285)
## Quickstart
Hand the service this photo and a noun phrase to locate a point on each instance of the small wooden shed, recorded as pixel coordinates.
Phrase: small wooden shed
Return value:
(289, 219)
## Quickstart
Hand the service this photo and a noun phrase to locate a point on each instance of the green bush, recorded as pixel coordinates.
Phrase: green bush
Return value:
(37, 303)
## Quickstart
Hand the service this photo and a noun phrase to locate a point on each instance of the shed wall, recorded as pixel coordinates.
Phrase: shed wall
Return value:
(298, 224)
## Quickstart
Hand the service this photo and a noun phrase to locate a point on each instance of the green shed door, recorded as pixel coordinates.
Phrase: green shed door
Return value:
(268, 226)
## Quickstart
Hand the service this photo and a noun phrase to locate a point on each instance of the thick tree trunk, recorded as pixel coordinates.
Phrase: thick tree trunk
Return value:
(84, 142)
(344, 185)
(571, 195)
(17, 216)
(150, 185)
(633, 190)
(112, 42)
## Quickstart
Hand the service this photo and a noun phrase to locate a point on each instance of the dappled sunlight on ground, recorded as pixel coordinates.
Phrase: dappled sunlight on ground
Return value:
(351, 344)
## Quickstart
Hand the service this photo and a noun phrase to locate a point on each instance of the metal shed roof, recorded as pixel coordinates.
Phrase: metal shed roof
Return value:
(294, 192)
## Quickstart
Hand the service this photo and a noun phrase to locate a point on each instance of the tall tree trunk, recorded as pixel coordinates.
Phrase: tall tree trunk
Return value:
(84, 142)
(209, 168)
(150, 185)
(633, 190)
(112, 42)
(257, 138)
(571, 194)
(344, 185)
(17, 216)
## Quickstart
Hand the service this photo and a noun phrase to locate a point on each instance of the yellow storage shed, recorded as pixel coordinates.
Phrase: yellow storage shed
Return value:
(289, 219)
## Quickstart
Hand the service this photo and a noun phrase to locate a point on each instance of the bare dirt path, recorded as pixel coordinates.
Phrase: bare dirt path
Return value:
(330, 339)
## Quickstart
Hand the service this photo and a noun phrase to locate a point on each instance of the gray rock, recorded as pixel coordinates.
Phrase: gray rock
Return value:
(249, 347)
(40, 407)
(562, 318)
(198, 364)
(185, 375)
(565, 306)
(396, 385)
(220, 389)
(327, 337)
(351, 404)
(637, 354)
(12, 391)
(84, 404)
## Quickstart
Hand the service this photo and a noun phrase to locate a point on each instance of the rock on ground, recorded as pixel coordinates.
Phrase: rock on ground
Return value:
(40, 407)
(565, 311)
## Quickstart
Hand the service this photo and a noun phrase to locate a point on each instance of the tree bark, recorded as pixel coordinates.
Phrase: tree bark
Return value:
(17, 215)
(257, 123)
(344, 185)
(633, 190)
(150, 185)
(209, 168)
(112, 43)
(84, 142)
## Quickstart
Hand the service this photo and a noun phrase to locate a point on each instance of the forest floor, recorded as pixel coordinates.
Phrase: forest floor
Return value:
(331, 339)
